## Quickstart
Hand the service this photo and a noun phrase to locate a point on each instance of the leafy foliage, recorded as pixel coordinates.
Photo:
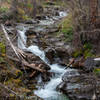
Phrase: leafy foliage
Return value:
(67, 28)
(3, 9)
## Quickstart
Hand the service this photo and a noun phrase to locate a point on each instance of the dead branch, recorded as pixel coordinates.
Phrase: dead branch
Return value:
(25, 63)
(20, 54)
(7, 37)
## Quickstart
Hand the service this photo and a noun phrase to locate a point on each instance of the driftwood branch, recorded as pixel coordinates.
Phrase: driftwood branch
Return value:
(20, 54)
(33, 66)
(6, 35)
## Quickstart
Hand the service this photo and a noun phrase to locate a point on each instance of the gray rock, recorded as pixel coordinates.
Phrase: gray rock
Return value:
(80, 86)
(31, 22)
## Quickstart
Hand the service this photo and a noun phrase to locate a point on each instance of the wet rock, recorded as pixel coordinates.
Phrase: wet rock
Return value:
(50, 3)
(39, 17)
(46, 76)
(80, 86)
(30, 32)
(31, 22)
(57, 55)
(87, 65)
(52, 30)
(50, 54)
(56, 13)
(8, 23)
(63, 55)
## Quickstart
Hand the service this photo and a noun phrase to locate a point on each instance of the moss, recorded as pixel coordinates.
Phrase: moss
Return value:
(77, 53)
(2, 48)
(16, 82)
(67, 22)
(97, 71)
(87, 46)
(30, 5)
(25, 90)
(12, 95)
(68, 33)
(88, 53)
(21, 11)
(67, 28)
(2, 60)
(3, 9)
(25, 17)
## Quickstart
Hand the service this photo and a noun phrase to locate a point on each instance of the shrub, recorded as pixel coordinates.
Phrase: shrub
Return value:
(67, 28)
(3, 9)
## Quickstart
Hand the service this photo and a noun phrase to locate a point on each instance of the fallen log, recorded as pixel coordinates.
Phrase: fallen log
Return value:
(25, 63)
(20, 54)
(7, 37)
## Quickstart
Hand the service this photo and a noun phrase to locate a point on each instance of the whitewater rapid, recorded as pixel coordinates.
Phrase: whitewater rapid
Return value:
(48, 92)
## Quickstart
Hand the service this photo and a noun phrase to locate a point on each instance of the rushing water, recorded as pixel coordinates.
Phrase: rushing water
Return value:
(48, 92)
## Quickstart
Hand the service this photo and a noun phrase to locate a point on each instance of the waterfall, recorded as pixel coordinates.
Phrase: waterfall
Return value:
(49, 91)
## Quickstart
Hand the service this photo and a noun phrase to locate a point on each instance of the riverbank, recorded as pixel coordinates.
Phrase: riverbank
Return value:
(24, 82)
(54, 66)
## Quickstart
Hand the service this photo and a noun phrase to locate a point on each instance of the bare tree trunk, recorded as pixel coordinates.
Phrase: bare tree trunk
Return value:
(14, 8)
(34, 8)
(93, 12)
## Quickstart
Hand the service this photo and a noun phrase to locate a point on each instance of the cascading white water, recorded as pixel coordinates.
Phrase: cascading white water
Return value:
(49, 91)
(62, 14)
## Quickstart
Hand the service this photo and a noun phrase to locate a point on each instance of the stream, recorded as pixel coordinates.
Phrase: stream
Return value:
(48, 90)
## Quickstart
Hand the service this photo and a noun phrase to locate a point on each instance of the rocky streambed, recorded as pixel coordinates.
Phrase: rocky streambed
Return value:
(40, 40)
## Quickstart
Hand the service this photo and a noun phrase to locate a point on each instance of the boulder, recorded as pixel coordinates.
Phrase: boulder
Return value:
(50, 3)
(30, 32)
(87, 65)
(57, 55)
(80, 86)
(31, 22)
(40, 17)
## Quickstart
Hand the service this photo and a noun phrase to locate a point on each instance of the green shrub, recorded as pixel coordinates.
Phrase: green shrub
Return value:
(88, 53)
(3, 9)
(30, 5)
(77, 53)
(87, 46)
(2, 60)
(67, 28)
(97, 71)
